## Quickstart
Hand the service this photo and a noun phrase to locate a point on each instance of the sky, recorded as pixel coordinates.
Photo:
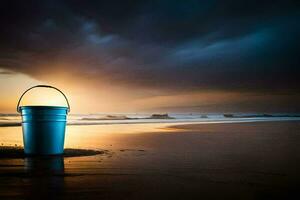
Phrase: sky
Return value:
(152, 56)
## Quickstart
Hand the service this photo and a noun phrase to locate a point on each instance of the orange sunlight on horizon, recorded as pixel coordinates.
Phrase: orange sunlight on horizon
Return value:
(96, 97)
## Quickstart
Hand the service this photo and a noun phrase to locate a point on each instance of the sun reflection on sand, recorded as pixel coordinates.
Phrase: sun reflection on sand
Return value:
(90, 136)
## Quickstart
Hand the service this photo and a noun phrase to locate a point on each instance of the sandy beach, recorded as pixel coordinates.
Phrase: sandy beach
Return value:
(257, 160)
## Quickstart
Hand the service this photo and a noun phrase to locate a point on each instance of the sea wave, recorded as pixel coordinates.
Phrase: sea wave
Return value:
(104, 119)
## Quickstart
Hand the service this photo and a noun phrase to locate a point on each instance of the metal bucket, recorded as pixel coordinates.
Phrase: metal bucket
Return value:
(43, 126)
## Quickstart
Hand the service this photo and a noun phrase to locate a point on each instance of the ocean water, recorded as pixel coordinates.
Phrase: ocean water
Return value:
(142, 118)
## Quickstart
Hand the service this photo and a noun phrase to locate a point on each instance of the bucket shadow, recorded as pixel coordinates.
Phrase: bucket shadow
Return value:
(10, 152)
(46, 177)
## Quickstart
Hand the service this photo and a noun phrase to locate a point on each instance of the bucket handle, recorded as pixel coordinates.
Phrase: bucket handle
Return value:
(44, 86)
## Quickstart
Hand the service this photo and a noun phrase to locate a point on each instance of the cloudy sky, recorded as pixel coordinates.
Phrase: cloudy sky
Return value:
(136, 56)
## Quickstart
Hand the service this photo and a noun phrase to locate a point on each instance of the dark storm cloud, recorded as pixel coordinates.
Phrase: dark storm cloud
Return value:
(157, 44)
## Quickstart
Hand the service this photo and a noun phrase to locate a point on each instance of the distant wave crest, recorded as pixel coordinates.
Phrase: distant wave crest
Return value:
(7, 120)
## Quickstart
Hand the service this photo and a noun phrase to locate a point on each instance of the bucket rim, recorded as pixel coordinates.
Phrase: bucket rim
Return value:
(43, 107)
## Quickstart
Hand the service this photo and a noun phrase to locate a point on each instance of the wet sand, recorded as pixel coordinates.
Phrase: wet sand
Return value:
(206, 161)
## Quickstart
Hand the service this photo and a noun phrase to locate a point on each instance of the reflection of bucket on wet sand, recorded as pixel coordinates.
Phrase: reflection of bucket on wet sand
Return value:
(46, 177)
(44, 165)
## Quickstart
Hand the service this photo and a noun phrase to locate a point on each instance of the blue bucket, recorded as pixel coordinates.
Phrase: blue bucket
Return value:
(43, 127)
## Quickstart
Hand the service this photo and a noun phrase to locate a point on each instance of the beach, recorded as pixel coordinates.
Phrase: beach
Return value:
(250, 160)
